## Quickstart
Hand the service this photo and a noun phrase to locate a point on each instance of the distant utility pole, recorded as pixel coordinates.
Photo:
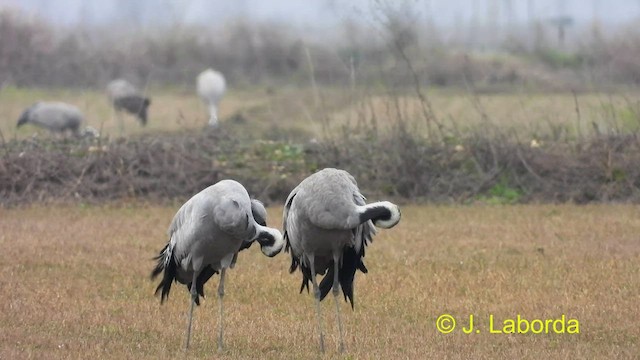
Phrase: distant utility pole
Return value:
(561, 22)
(562, 7)
(595, 19)
(509, 13)
(530, 12)
(533, 37)
(493, 14)
(474, 25)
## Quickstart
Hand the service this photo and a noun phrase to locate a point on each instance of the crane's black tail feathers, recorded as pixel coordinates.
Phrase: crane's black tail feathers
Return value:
(351, 262)
(203, 277)
(167, 264)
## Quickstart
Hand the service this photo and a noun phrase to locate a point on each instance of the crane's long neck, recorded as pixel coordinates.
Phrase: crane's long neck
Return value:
(383, 214)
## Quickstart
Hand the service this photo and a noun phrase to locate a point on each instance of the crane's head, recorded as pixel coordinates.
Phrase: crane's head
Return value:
(387, 214)
(24, 118)
(270, 240)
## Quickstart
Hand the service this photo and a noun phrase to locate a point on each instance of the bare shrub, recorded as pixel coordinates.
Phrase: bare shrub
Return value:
(482, 166)
(157, 168)
(399, 163)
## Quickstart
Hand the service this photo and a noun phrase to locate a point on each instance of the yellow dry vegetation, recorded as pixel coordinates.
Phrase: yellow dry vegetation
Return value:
(74, 283)
(295, 110)
(523, 113)
(170, 110)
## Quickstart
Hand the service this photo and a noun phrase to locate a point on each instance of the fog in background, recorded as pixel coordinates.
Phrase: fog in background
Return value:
(553, 43)
(319, 12)
(326, 14)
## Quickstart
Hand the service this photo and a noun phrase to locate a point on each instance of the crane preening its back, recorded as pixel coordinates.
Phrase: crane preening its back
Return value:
(211, 87)
(205, 237)
(124, 96)
(327, 226)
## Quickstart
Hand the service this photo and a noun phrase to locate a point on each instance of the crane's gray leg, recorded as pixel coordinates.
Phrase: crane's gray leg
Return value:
(120, 122)
(194, 295)
(316, 294)
(335, 289)
(220, 296)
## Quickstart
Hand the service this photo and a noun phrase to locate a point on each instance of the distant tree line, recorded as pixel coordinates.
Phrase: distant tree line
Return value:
(397, 51)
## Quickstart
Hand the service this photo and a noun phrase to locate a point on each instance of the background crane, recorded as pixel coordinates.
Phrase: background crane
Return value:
(126, 97)
(56, 117)
(211, 87)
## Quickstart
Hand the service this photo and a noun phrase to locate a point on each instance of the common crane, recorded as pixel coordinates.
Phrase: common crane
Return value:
(124, 96)
(205, 237)
(56, 117)
(327, 226)
(211, 87)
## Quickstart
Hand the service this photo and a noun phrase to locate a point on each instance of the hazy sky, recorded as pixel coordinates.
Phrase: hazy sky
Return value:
(321, 13)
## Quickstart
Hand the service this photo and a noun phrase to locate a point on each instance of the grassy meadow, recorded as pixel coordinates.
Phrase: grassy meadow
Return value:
(294, 112)
(75, 278)
(75, 285)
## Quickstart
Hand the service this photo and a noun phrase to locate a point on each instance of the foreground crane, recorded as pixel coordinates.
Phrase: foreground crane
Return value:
(327, 226)
(205, 237)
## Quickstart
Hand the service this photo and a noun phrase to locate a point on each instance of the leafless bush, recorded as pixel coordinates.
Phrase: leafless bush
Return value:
(604, 168)
(397, 163)
(151, 167)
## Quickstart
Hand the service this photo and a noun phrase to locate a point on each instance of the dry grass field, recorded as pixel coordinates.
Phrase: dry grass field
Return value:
(520, 112)
(74, 284)
(293, 110)
(262, 111)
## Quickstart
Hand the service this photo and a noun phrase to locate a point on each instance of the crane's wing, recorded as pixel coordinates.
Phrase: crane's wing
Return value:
(328, 200)
(288, 222)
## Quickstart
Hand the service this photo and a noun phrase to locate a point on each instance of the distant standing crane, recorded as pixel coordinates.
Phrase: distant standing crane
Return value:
(327, 226)
(205, 237)
(211, 87)
(124, 96)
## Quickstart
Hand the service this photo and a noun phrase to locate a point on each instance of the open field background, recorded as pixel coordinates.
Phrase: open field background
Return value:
(283, 112)
(447, 147)
(75, 284)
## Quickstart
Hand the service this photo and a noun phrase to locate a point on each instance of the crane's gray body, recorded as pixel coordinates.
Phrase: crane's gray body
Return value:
(327, 225)
(124, 96)
(53, 116)
(210, 228)
(205, 237)
(322, 217)
(120, 88)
